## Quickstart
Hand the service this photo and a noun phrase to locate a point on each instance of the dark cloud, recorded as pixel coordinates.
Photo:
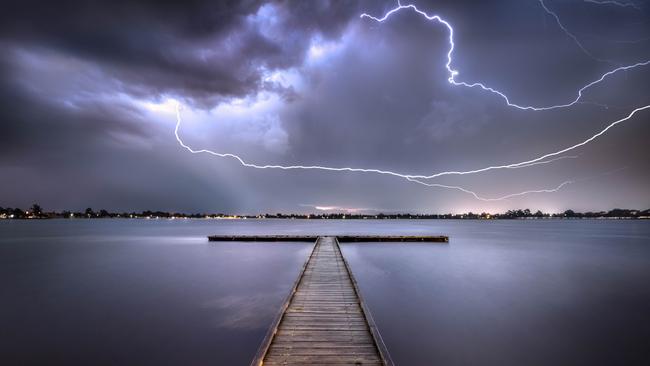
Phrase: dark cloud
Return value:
(199, 49)
(81, 81)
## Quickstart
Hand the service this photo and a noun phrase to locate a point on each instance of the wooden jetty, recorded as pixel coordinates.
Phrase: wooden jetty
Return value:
(324, 320)
(393, 238)
(297, 238)
(341, 238)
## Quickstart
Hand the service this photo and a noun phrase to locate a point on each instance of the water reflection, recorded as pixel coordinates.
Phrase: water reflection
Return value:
(107, 292)
(513, 293)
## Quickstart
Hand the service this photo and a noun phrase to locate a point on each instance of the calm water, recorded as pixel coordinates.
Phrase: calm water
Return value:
(133, 292)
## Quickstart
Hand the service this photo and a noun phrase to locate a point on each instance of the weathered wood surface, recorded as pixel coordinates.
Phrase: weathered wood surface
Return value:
(324, 322)
(341, 238)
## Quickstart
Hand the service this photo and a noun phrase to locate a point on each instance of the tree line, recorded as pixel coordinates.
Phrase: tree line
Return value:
(36, 212)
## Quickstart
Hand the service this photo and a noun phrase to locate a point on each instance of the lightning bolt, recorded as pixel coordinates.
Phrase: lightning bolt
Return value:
(543, 159)
(540, 158)
(569, 34)
(484, 199)
(410, 177)
(523, 164)
(615, 3)
(453, 72)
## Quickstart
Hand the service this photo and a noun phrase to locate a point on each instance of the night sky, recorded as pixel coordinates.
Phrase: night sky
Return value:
(89, 92)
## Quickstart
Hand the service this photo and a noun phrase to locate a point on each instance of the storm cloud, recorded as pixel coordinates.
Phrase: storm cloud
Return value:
(89, 90)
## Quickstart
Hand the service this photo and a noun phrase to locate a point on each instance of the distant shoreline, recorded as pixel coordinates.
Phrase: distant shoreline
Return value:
(330, 219)
(36, 212)
(149, 215)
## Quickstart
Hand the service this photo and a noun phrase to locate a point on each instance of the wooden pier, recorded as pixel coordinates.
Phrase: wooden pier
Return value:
(324, 320)
(270, 238)
(393, 238)
(341, 238)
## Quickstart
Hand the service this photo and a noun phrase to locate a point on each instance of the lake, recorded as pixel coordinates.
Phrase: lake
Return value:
(133, 292)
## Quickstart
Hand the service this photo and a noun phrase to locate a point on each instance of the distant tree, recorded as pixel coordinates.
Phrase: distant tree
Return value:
(617, 212)
(569, 213)
(539, 214)
(90, 212)
(103, 213)
(18, 213)
(36, 210)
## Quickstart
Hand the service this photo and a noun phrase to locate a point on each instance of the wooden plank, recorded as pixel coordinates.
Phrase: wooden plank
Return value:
(362, 359)
(324, 321)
